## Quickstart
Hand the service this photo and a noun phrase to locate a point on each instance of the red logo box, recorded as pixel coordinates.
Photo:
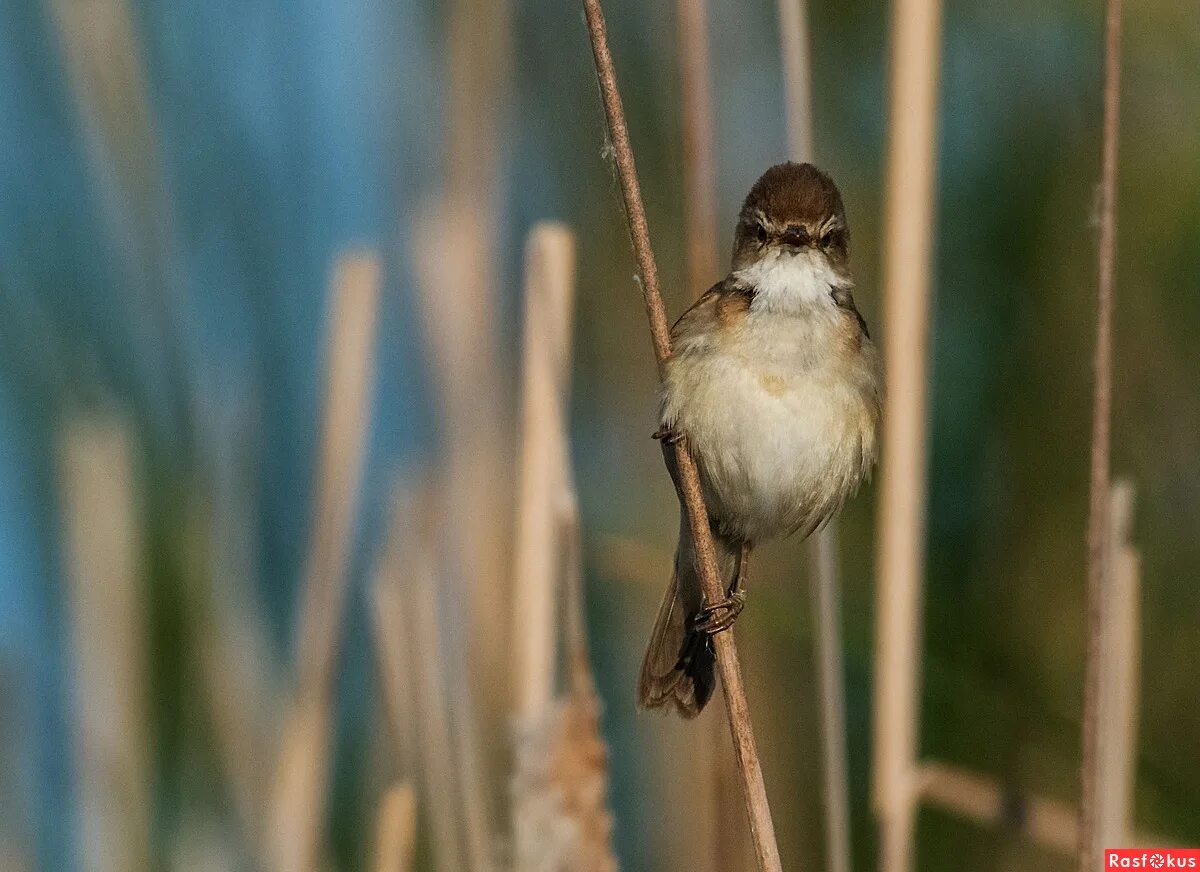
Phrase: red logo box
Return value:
(1152, 858)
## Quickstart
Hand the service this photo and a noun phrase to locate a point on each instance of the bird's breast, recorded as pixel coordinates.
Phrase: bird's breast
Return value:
(781, 415)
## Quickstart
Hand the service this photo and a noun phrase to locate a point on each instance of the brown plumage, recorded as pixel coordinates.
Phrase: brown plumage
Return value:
(773, 383)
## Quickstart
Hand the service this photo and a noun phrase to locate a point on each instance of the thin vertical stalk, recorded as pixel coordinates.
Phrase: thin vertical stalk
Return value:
(109, 645)
(396, 830)
(408, 642)
(302, 771)
(458, 274)
(458, 305)
(762, 829)
(827, 648)
(699, 161)
(797, 77)
(726, 852)
(107, 77)
(549, 293)
(1119, 682)
(909, 223)
(1097, 536)
(824, 583)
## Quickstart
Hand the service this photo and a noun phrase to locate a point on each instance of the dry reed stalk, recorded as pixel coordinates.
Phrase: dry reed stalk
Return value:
(409, 645)
(1118, 703)
(824, 581)
(458, 271)
(699, 160)
(560, 815)
(549, 292)
(797, 77)
(230, 661)
(1046, 822)
(296, 812)
(827, 650)
(396, 830)
(700, 232)
(389, 635)
(298, 800)
(103, 543)
(459, 312)
(108, 83)
(909, 222)
(1098, 588)
(978, 798)
(476, 808)
(762, 829)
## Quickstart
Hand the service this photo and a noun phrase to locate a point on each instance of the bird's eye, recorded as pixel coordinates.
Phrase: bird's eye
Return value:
(761, 233)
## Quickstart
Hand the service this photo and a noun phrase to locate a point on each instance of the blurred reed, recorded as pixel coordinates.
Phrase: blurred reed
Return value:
(822, 546)
(983, 800)
(561, 818)
(396, 830)
(699, 160)
(412, 641)
(1045, 821)
(106, 73)
(544, 470)
(762, 828)
(909, 214)
(233, 663)
(455, 239)
(797, 77)
(1099, 588)
(298, 802)
(454, 248)
(1120, 668)
(727, 850)
(109, 645)
(560, 814)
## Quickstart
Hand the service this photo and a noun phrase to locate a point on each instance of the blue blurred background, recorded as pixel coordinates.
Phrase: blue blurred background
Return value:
(177, 179)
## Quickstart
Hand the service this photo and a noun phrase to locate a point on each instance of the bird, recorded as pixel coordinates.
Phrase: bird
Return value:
(773, 387)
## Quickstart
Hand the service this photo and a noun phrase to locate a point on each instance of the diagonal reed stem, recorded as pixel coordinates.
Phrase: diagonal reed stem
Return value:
(754, 792)
(1097, 535)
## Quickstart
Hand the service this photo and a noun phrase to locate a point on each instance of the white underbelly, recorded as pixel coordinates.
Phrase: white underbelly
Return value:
(778, 453)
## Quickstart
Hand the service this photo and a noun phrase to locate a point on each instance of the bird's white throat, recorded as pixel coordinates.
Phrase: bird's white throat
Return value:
(786, 282)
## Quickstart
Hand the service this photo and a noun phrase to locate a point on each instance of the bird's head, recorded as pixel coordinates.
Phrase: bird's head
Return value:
(793, 210)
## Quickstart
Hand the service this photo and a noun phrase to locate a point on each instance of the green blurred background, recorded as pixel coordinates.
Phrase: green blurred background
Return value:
(170, 261)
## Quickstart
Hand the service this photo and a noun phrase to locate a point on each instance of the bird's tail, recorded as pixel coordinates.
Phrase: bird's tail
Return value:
(679, 666)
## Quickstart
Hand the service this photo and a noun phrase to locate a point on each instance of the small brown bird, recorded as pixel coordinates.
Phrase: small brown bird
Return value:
(774, 385)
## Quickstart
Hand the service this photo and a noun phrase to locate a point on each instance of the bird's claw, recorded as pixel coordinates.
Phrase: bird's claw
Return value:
(667, 435)
(720, 616)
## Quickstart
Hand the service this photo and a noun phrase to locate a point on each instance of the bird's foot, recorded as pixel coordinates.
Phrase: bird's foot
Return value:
(667, 435)
(720, 616)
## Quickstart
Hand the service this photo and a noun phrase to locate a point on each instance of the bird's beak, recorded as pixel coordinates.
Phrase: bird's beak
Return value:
(796, 240)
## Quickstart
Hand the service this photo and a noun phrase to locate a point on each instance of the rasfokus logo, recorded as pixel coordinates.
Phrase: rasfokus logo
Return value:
(1152, 858)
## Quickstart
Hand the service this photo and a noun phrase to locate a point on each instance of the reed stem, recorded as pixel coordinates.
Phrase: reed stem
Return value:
(909, 222)
(762, 829)
(822, 546)
(1090, 848)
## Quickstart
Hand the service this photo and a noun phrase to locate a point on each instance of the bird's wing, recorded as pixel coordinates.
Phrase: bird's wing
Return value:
(845, 301)
(721, 306)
